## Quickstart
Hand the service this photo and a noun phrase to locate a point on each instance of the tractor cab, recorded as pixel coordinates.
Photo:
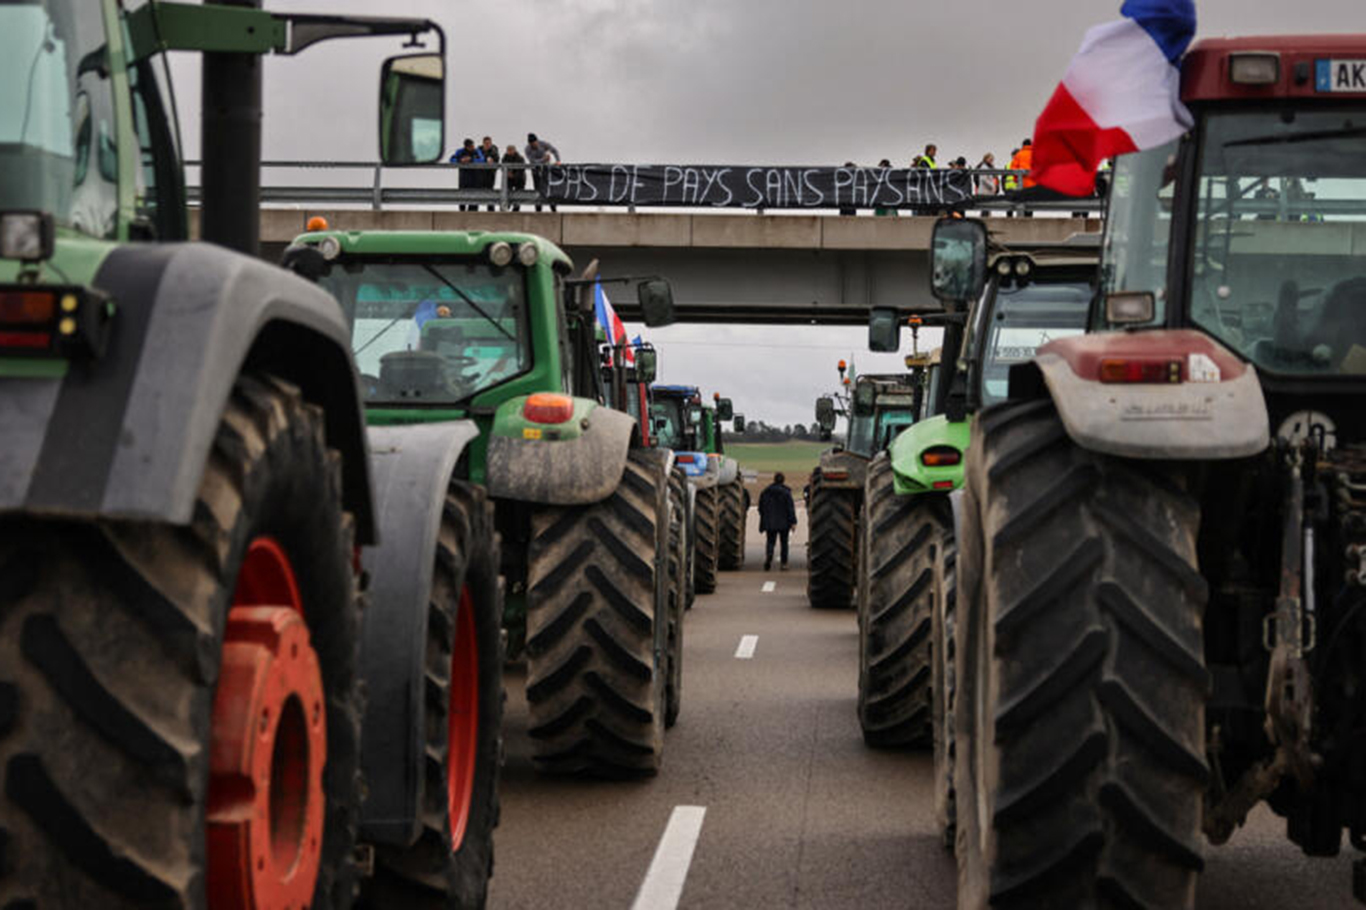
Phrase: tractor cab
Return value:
(880, 407)
(680, 423)
(1250, 228)
(627, 371)
(454, 329)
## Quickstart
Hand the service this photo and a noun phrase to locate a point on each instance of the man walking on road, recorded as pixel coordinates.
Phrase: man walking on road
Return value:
(777, 517)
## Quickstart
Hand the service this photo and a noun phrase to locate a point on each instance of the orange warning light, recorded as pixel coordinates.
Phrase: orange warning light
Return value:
(317, 223)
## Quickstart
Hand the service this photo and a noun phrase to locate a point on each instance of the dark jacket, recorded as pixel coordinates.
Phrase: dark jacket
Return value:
(777, 512)
(468, 179)
(517, 178)
(488, 179)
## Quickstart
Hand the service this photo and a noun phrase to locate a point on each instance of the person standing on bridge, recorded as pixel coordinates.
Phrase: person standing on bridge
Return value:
(515, 177)
(927, 160)
(1023, 161)
(539, 153)
(469, 180)
(490, 153)
(777, 518)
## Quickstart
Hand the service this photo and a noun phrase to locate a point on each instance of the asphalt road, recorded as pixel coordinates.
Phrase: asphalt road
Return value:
(798, 812)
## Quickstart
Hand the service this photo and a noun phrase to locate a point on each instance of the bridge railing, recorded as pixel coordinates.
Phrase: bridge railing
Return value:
(372, 185)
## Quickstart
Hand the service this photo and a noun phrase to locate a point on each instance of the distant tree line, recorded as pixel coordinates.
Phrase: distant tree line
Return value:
(762, 431)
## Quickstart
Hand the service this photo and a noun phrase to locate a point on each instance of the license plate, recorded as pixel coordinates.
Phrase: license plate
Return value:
(1341, 76)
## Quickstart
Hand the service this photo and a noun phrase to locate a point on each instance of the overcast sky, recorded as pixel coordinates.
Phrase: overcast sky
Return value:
(728, 82)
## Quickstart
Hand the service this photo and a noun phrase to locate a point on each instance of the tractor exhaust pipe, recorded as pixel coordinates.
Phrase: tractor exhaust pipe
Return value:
(230, 213)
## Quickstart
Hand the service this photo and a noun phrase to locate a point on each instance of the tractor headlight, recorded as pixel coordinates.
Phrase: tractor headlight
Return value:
(527, 254)
(330, 247)
(28, 236)
(500, 254)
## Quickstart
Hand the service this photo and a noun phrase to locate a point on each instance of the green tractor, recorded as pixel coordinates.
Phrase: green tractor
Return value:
(485, 343)
(188, 500)
(879, 408)
(908, 521)
(720, 502)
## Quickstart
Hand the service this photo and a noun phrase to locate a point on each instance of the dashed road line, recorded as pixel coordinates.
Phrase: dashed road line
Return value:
(770, 587)
(747, 645)
(663, 885)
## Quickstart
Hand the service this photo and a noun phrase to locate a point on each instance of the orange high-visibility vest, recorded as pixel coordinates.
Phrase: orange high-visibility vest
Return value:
(1023, 161)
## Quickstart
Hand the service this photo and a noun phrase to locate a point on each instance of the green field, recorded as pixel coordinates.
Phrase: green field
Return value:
(792, 458)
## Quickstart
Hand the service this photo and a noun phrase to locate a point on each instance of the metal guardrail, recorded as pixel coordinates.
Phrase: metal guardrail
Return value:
(377, 195)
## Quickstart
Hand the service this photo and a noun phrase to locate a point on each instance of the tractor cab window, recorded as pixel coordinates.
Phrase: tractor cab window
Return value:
(58, 138)
(1022, 320)
(671, 427)
(433, 333)
(890, 426)
(1277, 270)
(1138, 228)
(860, 434)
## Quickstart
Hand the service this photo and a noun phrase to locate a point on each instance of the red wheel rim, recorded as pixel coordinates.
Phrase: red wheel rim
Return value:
(268, 745)
(463, 721)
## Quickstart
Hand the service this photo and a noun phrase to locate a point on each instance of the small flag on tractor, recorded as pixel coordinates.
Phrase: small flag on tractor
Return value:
(611, 323)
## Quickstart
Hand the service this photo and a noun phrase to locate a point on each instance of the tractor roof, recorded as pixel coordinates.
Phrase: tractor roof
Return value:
(436, 243)
(675, 391)
(1206, 71)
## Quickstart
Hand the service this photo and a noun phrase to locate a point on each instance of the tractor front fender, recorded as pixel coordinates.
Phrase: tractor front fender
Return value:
(127, 435)
(1215, 410)
(579, 470)
(411, 467)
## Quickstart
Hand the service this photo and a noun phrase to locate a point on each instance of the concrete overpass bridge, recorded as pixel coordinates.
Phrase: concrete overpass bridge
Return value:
(724, 266)
(739, 244)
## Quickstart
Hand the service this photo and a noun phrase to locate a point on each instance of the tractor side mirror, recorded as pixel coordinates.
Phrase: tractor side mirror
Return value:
(958, 260)
(884, 330)
(647, 364)
(656, 299)
(738, 426)
(825, 413)
(725, 410)
(412, 109)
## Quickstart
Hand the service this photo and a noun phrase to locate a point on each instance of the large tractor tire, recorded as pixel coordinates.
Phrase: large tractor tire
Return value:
(179, 709)
(452, 860)
(832, 524)
(705, 552)
(678, 592)
(900, 537)
(944, 686)
(734, 507)
(596, 633)
(1081, 686)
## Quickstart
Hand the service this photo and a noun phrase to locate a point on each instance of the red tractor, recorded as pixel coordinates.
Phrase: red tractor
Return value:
(1162, 563)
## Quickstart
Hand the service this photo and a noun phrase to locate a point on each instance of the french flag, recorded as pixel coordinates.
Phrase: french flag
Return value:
(609, 320)
(1122, 93)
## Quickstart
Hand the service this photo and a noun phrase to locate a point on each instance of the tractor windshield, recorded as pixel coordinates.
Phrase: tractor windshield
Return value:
(426, 333)
(671, 424)
(1278, 271)
(1023, 320)
(58, 151)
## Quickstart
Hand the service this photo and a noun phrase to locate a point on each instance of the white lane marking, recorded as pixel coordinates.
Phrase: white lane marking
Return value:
(663, 884)
(770, 586)
(747, 645)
